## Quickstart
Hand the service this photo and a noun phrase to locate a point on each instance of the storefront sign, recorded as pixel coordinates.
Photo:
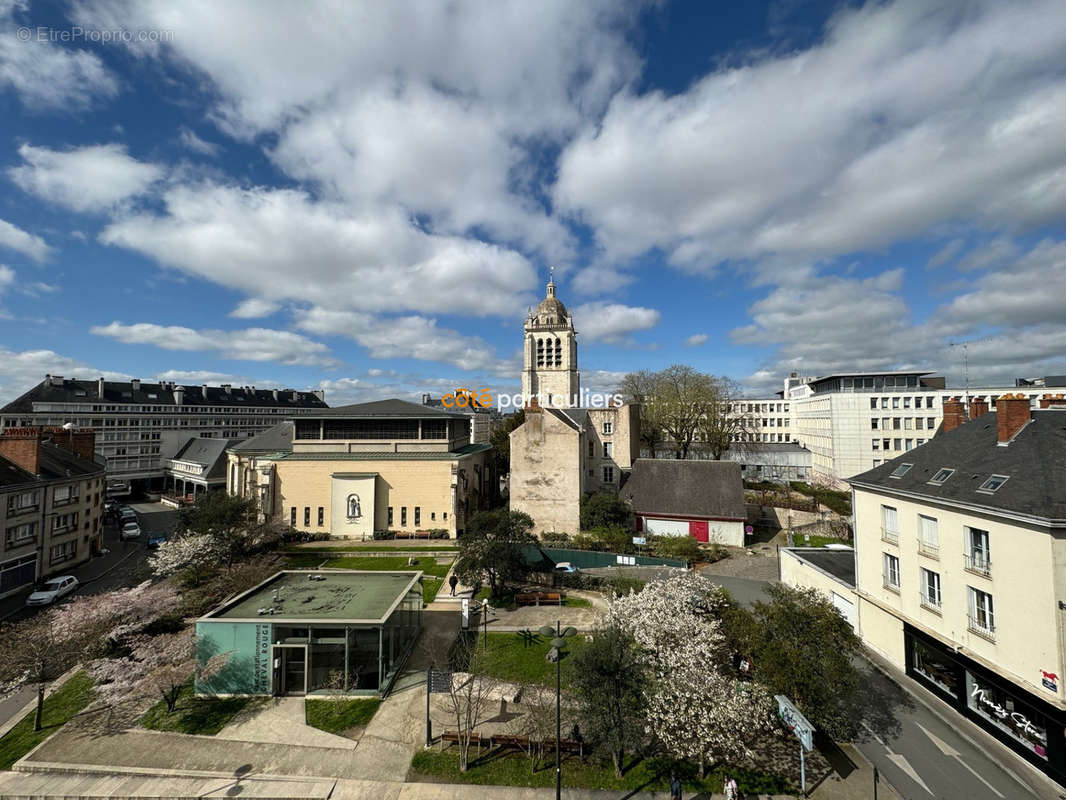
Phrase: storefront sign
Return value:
(1050, 681)
(261, 659)
(990, 702)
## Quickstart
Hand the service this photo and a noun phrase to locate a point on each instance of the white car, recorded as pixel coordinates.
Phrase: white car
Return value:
(566, 567)
(131, 530)
(53, 590)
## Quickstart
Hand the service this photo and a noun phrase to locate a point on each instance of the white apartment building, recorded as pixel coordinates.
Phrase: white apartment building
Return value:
(960, 569)
(139, 426)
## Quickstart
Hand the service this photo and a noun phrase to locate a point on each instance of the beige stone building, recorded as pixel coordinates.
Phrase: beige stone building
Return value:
(352, 471)
(549, 354)
(961, 569)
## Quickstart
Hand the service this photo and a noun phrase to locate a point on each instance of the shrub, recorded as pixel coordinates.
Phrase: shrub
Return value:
(555, 539)
(681, 547)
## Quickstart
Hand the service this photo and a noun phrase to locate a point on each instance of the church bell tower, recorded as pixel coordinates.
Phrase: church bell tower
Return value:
(549, 368)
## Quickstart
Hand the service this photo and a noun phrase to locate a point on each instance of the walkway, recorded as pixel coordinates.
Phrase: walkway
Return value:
(280, 720)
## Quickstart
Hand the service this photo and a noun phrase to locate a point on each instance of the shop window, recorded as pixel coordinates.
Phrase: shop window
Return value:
(936, 667)
(1014, 718)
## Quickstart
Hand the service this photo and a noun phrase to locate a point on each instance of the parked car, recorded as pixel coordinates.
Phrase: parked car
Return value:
(156, 539)
(127, 514)
(53, 590)
(130, 530)
(566, 567)
(111, 506)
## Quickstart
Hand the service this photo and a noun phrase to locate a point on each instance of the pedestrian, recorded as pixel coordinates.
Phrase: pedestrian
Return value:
(729, 788)
(453, 582)
(675, 787)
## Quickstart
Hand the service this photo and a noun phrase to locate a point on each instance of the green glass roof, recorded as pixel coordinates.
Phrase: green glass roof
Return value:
(342, 596)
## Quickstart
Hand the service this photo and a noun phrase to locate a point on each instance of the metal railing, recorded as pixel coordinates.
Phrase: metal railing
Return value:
(892, 587)
(987, 629)
(932, 603)
(892, 537)
(930, 550)
(979, 563)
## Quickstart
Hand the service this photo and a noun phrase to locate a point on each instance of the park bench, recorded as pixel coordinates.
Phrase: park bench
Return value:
(536, 598)
(413, 535)
(452, 737)
(565, 745)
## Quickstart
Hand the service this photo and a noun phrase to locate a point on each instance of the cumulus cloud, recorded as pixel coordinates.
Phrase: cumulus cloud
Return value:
(17, 239)
(87, 179)
(22, 370)
(254, 307)
(613, 323)
(695, 340)
(190, 141)
(251, 344)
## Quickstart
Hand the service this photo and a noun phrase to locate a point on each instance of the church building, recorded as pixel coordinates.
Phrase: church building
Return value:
(563, 450)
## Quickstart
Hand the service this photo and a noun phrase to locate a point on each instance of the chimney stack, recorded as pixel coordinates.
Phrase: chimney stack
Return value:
(275, 395)
(179, 395)
(135, 384)
(22, 446)
(320, 394)
(978, 407)
(1053, 400)
(1012, 412)
(954, 415)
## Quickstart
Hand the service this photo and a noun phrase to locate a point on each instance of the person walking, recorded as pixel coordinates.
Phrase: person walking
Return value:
(453, 582)
(675, 788)
(729, 788)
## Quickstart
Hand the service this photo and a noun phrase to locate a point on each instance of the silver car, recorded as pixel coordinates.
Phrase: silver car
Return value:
(131, 530)
(53, 590)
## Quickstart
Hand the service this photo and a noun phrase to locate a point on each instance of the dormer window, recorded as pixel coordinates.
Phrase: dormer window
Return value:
(901, 470)
(992, 484)
(941, 476)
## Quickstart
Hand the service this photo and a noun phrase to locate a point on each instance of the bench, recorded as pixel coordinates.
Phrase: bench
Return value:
(452, 737)
(507, 740)
(413, 535)
(536, 598)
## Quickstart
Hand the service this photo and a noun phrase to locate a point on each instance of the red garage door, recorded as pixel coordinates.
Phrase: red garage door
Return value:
(697, 529)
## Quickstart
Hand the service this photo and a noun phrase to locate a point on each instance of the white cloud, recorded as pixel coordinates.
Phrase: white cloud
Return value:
(904, 117)
(46, 75)
(613, 322)
(25, 243)
(93, 178)
(996, 253)
(254, 307)
(946, 253)
(695, 340)
(22, 370)
(251, 344)
(191, 141)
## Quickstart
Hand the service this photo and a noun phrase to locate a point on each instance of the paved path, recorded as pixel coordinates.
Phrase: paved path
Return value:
(280, 720)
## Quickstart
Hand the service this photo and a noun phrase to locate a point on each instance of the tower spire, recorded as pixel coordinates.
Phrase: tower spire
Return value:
(551, 281)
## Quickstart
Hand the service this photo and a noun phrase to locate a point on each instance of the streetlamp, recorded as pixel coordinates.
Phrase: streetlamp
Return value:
(557, 654)
(485, 623)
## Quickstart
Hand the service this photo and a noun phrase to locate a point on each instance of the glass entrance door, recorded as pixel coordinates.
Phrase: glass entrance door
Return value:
(292, 670)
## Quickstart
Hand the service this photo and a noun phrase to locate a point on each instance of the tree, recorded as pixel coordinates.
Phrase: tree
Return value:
(500, 438)
(537, 724)
(229, 519)
(495, 546)
(471, 696)
(639, 387)
(611, 679)
(802, 647)
(604, 510)
(194, 551)
(154, 665)
(723, 425)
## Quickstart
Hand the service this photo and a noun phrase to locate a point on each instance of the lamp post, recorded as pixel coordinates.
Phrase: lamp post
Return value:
(556, 654)
(485, 623)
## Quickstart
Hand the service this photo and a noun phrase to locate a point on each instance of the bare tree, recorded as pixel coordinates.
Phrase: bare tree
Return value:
(639, 387)
(724, 425)
(537, 724)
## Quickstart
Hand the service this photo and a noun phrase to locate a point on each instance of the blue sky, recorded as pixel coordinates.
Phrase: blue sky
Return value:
(367, 197)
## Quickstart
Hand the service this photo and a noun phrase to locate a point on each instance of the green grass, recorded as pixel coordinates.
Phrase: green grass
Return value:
(500, 767)
(510, 658)
(72, 697)
(415, 544)
(200, 715)
(506, 600)
(816, 541)
(338, 716)
(424, 563)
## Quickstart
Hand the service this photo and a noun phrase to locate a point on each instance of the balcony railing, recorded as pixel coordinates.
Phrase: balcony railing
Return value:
(892, 537)
(892, 587)
(985, 628)
(929, 550)
(929, 602)
(978, 563)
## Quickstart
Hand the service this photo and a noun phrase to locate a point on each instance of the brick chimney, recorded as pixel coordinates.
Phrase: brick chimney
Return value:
(81, 441)
(1012, 412)
(21, 446)
(954, 415)
(1050, 400)
(978, 407)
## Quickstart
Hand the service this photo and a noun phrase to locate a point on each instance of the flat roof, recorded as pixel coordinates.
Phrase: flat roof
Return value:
(839, 564)
(342, 595)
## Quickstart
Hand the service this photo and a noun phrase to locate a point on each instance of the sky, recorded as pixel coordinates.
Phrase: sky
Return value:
(366, 197)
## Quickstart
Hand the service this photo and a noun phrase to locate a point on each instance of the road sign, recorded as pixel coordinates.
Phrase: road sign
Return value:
(796, 722)
(640, 540)
(625, 560)
(439, 682)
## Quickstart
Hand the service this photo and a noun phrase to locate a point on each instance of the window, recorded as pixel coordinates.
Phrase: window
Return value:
(941, 475)
(895, 423)
(876, 444)
(418, 515)
(885, 444)
(21, 534)
(24, 501)
(608, 474)
(908, 444)
(607, 448)
(907, 423)
(977, 552)
(906, 402)
(930, 423)
(930, 588)
(873, 402)
(432, 515)
(64, 551)
(321, 516)
(890, 572)
(608, 427)
(982, 618)
(895, 402)
(403, 516)
(592, 451)
(901, 470)
(884, 402)
(929, 543)
(992, 484)
(61, 522)
(307, 515)
(444, 515)
(873, 424)
(889, 524)
(292, 516)
(65, 494)
(390, 516)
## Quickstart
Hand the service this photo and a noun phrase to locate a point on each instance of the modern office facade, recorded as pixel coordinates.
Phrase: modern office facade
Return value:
(960, 554)
(140, 425)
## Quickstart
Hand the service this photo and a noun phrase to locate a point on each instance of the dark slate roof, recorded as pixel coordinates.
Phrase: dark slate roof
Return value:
(686, 488)
(272, 440)
(771, 447)
(838, 563)
(577, 415)
(400, 409)
(122, 393)
(58, 462)
(211, 453)
(1034, 461)
(11, 474)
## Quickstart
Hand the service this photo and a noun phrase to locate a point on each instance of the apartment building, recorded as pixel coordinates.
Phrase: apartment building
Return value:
(139, 426)
(51, 504)
(960, 568)
(766, 420)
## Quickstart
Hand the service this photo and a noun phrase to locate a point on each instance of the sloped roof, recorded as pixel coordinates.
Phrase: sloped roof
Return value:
(393, 407)
(686, 488)
(210, 453)
(54, 461)
(11, 474)
(1034, 462)
(272, 440)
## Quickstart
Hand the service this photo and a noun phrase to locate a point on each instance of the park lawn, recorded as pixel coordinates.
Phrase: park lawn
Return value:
(506, 600)
(69, 699)
(394, 563)
(338, 716)
(816, 541)
(513, 659)
(430, 587)
(198, 715)
(508, 767)
(419, 544)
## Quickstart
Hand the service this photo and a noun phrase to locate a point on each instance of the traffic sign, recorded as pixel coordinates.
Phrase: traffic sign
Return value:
(795, 721)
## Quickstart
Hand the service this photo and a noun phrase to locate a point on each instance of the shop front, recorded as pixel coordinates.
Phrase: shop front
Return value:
(1021, 720)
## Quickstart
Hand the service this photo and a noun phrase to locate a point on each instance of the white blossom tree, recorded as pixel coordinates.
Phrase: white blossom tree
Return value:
(190, 550)
(697, 708)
